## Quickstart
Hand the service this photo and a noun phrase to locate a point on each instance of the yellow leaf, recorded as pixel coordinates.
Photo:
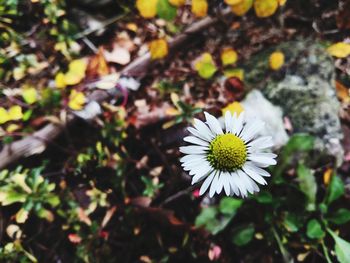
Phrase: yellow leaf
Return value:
(76, 100)
(327, 176)
(242, 8)
(18, 73)
(205, 66)
(265, 8)
(199, 7)
(15, 113)
(158, 49)
(177, 2)
(131, 27)
(4, 116)
(233, 2)
(339, 50)
(237, 73)
(276, 60)
(21, 216)
(147, 8)
(76, 72)
(12, 127)
(282, 2)
(30, 95)
(228, 56)
(60, 80)
(234, 107)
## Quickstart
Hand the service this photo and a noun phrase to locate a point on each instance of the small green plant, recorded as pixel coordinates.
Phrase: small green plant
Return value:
(31, 190)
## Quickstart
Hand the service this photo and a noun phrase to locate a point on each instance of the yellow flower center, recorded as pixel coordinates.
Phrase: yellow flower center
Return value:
(227, 152)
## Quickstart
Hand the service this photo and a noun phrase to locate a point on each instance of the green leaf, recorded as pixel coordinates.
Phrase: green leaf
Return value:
(243, 235)
(342, 248)
(207, 70)
(291, 222)
(341, 216)
(308, 185)
(165, 10)
(264, 198)
(335, 189)
(207, 214)
(314, 230)
(229, 205)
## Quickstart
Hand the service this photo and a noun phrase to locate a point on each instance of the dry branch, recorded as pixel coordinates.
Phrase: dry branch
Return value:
(38, 141)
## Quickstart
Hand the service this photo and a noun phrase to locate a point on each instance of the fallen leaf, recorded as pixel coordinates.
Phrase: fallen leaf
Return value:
(177, 2)
(234, 107)
(76, 72)
(276, 60)
(15, 113)
(76, 100)
(282, 2)
(343, 92)
(98, 65)
(236, 72)
(12, 127)
(228, 56)
(339, 50)
(147, 8)
(4, 117)
(60, 83)
(158, 49)
(205, 66)
(30, 95)
(118, 55)
(242, 8)
(233, 2)
(265, 8)
(199, 8)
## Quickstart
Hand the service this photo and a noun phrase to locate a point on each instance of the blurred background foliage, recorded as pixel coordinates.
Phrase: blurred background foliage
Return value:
(113, 190)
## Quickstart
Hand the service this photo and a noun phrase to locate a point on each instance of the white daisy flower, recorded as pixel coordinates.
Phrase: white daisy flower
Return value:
(230, 160)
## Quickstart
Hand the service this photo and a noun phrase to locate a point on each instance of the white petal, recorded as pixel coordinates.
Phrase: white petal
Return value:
(213, 123)
(226, 183)
(258, 170)
(238, 124)
(263, 158)
(233, 186)
(201, 169)
(196, 140)
(245, 181)
(255, 176)
(254, 185)
(240, 184)
(199, 177)
(228, 121)
(214, 185)
(220, 184)
(197, 133)
(193, 149)
(251, 129)
(261, 143)
(206, 184)
(203, 129)
(191, 157)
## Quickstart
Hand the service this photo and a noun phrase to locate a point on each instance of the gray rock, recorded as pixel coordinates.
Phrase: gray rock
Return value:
(271, 115)
(305, 90)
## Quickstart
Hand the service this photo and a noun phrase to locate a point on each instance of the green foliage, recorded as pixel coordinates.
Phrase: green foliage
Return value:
(243, 235)
(342, 248)
(314, 230)
(30, 189)
(335, 189)
(307, 185)
(216, 218)
(166, 10)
